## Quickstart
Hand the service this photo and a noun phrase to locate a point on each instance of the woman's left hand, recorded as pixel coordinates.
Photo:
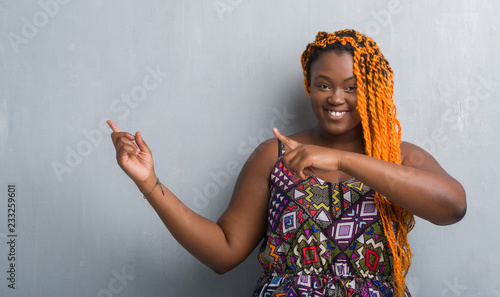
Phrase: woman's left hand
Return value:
(304, 159)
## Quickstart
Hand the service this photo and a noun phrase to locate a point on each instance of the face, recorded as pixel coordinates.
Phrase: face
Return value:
(334, 95)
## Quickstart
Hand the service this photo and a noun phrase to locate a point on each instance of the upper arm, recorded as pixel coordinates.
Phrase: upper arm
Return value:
(447, 187)
(416, 157)
(245, 220)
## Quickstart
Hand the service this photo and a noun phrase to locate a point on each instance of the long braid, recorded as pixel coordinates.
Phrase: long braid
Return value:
(381, 129)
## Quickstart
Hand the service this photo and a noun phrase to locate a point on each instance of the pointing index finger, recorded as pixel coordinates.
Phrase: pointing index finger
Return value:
(113, 126)
(287, 141)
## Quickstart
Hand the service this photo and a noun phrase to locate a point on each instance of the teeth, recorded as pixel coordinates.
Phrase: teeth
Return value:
(336, 113)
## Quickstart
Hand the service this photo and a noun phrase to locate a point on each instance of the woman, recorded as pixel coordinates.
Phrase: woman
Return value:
(334, 203)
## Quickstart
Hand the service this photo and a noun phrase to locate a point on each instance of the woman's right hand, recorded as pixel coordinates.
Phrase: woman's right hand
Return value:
(133, 155)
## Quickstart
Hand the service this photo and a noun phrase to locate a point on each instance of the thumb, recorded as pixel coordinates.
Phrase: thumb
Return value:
(286, 140)
(143, 147)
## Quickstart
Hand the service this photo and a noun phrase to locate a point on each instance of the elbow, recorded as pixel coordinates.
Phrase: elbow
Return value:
(460, 212)
(454, 216)
(455, 211)
(222, 269)
(222, 265)
(224, 261)
(459, 208)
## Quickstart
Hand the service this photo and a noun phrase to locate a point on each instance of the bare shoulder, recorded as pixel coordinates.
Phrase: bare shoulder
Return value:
(266, 151)
(416, 157)
(408, 149)
(262, 159)
(412, 154)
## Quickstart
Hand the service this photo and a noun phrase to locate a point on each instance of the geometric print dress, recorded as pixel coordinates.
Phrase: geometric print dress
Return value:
(323, 239)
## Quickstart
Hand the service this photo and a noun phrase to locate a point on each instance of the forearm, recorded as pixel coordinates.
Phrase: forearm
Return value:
(434, 197)
(203, 238)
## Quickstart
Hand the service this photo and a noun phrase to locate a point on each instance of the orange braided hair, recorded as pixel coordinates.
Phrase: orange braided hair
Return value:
(381, 129)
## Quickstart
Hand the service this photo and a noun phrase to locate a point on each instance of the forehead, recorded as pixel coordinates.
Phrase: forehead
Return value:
(333, 63)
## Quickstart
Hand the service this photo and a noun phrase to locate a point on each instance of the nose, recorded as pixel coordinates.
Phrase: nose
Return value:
(336, 97)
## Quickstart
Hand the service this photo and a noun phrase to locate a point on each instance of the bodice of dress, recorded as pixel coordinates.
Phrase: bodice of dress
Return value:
(323, 239)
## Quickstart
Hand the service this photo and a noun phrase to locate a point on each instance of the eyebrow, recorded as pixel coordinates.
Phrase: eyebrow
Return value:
(354, 76)
(326, 77)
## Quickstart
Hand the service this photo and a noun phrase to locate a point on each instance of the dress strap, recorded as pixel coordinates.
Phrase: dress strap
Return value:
(281, 148)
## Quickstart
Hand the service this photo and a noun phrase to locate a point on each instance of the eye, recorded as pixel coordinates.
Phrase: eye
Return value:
(323, 86)
(351, 88)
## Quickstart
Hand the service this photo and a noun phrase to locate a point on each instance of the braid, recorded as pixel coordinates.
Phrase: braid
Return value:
(381, 129)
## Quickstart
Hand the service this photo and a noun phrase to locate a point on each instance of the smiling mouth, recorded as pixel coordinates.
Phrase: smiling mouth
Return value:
(337, 113)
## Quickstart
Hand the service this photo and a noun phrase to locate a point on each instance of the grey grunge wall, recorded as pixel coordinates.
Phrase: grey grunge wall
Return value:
(205, 81)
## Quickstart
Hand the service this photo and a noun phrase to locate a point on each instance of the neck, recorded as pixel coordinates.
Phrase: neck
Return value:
(352, 141)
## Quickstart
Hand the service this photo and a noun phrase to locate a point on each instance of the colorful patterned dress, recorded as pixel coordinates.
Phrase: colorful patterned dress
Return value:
(323, 239)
